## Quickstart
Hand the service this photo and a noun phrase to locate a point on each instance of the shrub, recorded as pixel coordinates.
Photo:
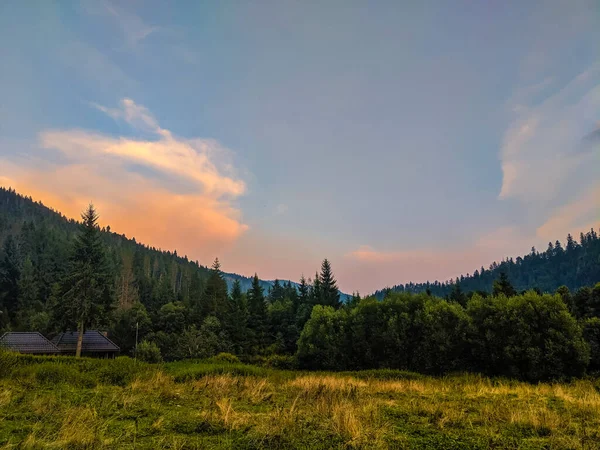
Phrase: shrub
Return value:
(119, 371)
(226, 358)
(148, 352)
(53, 373)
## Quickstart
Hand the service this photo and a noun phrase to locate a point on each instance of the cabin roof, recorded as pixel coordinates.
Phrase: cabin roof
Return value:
(27, 342)
(93, 341)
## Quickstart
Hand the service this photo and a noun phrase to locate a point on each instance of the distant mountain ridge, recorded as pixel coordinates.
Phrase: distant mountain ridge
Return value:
(575, 265)
(246, 283)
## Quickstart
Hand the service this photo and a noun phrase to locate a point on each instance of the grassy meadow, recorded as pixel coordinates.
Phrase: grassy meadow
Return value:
(67, 403)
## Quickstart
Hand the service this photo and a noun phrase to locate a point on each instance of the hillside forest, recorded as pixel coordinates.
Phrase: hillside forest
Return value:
(536, 317)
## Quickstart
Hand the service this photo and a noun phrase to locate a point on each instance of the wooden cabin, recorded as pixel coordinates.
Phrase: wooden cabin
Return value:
(30, 342)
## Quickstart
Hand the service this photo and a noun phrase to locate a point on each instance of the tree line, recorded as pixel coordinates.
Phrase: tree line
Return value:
(58, 274)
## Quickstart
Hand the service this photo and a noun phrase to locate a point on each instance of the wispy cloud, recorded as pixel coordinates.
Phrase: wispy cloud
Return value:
(193, 209)
(581, 214)
(378, 267)
(134, 29)
(541, 150)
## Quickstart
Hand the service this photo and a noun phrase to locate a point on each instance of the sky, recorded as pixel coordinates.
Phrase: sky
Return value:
(403, 141)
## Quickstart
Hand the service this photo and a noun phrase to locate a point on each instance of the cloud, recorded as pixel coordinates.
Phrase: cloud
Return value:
(168, 192)
(541, 151)
(134, 29)
(370, 269)
(281, 209)
(581, 214)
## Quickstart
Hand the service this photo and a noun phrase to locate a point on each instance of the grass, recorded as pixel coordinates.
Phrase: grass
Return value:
(64, 403)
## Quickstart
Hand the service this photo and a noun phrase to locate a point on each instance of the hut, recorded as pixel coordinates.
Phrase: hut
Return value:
(95, 344)
(30, 342)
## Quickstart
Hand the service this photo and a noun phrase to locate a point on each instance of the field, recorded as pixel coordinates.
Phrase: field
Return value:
(69, 403)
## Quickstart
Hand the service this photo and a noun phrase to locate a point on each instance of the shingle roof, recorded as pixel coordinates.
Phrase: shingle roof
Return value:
(27, 342)
(93, 341)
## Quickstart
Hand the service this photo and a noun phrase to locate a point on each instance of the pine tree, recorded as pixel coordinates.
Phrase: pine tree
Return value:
(88, 299)
(214, 300)
(10, 272)
(503, 286)
(571, 244)
(239, 319)
(276, 292)
(315, 292)
(303, 291)
(28, 300)
(257, 309)
(330, 295)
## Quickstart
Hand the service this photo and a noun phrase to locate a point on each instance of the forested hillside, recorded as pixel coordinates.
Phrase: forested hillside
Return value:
(184, 308)
(574, 264)
(58, 274)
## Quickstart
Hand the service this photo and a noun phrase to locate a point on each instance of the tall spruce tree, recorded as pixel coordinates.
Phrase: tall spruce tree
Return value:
(239, 319)
(214, 300)
(88, 299)
(257, 309)
(329, 293)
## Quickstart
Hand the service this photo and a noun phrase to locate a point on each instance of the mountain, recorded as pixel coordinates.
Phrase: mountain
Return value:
(575, 265)
(19, 213)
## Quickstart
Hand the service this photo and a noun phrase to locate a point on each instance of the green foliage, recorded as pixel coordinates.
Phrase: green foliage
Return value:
(49, 374)
(226, 358)
(119, 372)
(148, 352)
(322, 341)
(528, 336)
(591, 334)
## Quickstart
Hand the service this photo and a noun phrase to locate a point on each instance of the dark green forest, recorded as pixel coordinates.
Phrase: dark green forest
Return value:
(534, 318)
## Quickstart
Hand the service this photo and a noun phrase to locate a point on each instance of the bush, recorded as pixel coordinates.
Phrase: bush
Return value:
(148, 352)
(119, 371)
(191, 372)
(53, 373)
(226, 358)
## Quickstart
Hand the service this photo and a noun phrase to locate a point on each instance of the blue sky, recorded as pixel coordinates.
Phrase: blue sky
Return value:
(403, 142)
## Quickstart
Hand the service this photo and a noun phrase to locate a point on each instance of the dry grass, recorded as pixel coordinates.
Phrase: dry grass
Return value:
(302, 411)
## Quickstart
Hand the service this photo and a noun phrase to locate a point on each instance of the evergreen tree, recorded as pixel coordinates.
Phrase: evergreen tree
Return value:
(276, 292)
(87, 298)
(503, 286)
(239, 319)
(28, 300)
(329, 293)
(215, 295)
(457, 295)
(10, 272)
(315, 291)
(257, 309)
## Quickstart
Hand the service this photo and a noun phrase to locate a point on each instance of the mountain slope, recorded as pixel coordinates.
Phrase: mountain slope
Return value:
(17, 212)
(575, 265)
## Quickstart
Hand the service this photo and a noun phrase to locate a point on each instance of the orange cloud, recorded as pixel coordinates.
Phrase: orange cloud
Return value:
(191, 210)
